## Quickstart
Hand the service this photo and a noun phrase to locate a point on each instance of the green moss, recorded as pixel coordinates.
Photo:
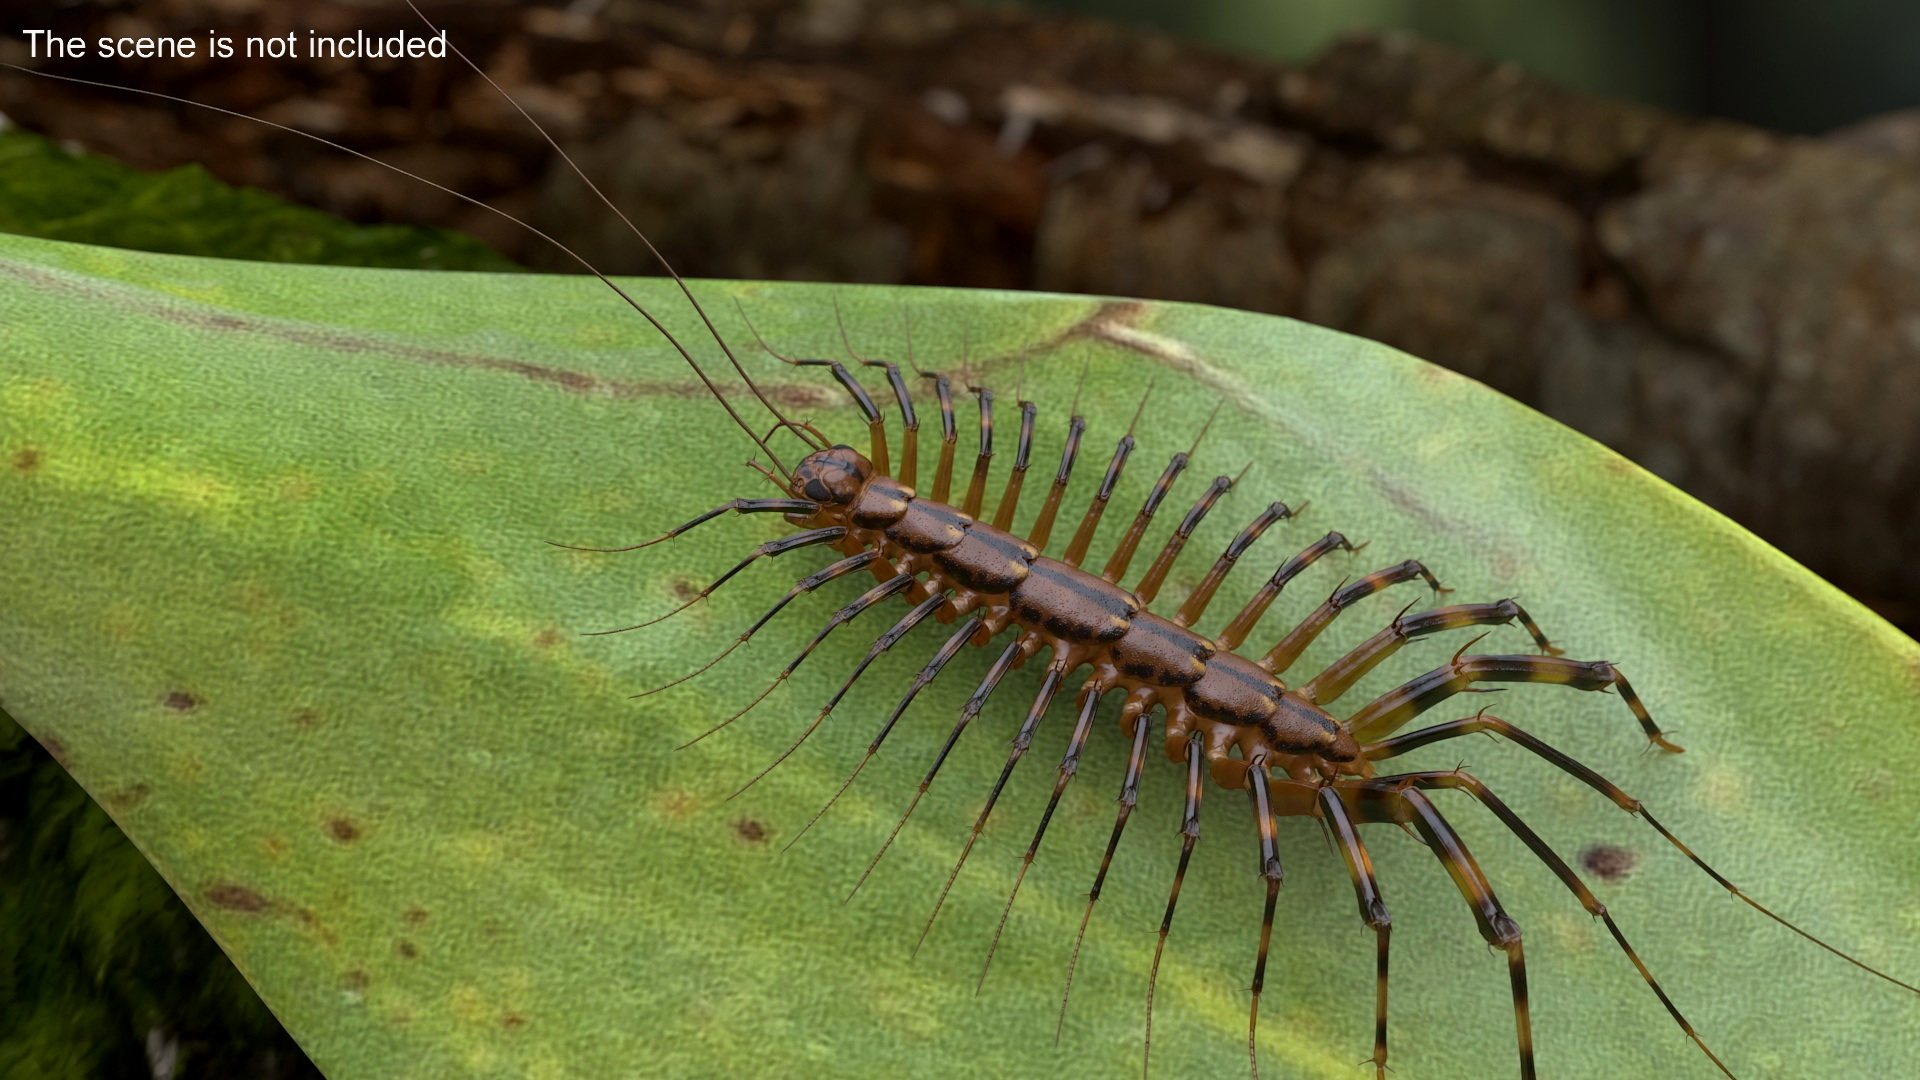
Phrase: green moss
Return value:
(51, 192)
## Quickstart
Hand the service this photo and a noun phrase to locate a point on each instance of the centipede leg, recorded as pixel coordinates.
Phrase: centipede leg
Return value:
(983, 461)
(1130, 541)
(1373, 911)
(771, 548)
(890, 587)
(1050, 506)
(1090, 521)
(1281, 656)
(1243, 623)
(1189, 833)
(1022, 459)
(920, 680)
(1340, 675)
(1129, 798)
(1202, 594)
(1388, 712)
(899, 630)
(1049, 686)
(1156, 575)
(949, 435)
(1269, 870)
(1494, 725)
(1016, 649)
(1069, 765)
(848, 565)
(1388, 801)
(1461, 781)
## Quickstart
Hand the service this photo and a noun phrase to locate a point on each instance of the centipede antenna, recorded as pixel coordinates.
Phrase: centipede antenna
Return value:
(564, 249)
(635, 229)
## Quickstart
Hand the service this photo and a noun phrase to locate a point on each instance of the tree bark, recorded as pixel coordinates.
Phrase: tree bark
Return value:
(1737, 310)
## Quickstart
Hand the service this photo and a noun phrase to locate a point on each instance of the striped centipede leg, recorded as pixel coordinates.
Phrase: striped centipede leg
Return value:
(1202, 594)
(1494, 725)
(1269, 870)
(920, 680)
(1129, 798)
(1090, 697)
(1388, 712)
(738, 506)
(1243, 623)
(1340, 675)
(1083, 536)
(1461, 781)
(949, 433)
(1022, 459)
(1123, 553)
(1049, 686)
(888, 588)
(848, 565)
(1189, 833)
(1050, 506)
(1388, 800)
(1373, 911)
(886, 641)
(1156, 574)
(1018, 649)
(771, 548)
(983, 461)
(1281, 657)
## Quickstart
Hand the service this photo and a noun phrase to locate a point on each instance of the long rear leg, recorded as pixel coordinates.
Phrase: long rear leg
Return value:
(1270, 871)
(1373, 912)
(1018, 649)
(1049, 686)
(1281, 657)
(1389, 802)
(1494, 725)
(1340, 675)
(1461, 781)
(1389, 711)
(1069, 765)
(926, 674)
(1189, 834)
(1129, 798)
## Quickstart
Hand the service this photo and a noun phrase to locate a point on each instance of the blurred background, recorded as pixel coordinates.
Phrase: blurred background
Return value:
(1686, 228)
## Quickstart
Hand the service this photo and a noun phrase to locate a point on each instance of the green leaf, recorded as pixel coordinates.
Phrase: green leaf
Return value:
(276, 592)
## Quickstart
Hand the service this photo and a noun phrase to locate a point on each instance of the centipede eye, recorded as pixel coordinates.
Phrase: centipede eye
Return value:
(833, 476)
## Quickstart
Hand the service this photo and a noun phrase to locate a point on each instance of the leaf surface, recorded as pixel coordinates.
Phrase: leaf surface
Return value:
(276, 593)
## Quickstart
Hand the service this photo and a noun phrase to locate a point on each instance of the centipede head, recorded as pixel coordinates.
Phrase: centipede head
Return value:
(831, 477)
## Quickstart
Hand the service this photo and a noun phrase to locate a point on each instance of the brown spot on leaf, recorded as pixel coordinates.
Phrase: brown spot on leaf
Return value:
(676, 803)
(237, 898)
(548, 638)
(407, 949)
(1609, 862)
(343, 829)
(128, 797)
(274, 845)
(684, 588)
(750, 830)
(306, 719)
(512, 1021)
(415, 916)
(180, 701)
(26, 459)
(355, 980)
